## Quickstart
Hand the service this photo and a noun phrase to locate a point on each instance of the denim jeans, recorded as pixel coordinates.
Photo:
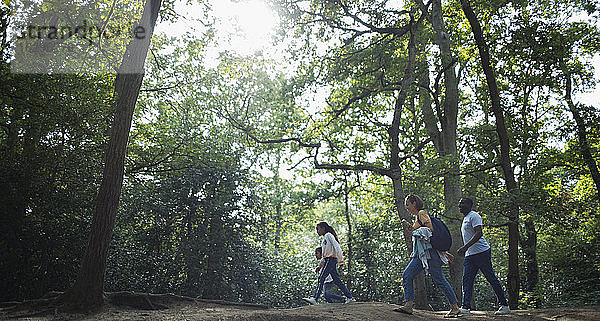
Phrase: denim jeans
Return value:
(435, 269)
(473, 263)
(330, 268)
(329, 296)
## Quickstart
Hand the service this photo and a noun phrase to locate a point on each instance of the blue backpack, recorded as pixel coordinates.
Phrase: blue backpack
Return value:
(441, 239)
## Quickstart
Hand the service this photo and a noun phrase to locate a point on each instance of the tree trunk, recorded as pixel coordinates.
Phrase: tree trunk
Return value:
(582, 137)
(529, 245)
(511, 186)
(278, 221)
(528, 241)
(445, 140)
(215, 259)
(88, 290)
(396, 171)
(349, 223)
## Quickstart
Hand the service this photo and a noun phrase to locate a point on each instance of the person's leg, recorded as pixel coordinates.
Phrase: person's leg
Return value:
(329, 295)
(488, 271)
(336, 278)
(326, 289)
(322, 277)
(435, 269)
(413, 269)
(469, 274)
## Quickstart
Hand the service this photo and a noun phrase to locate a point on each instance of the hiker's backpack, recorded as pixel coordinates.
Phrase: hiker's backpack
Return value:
(441, 239)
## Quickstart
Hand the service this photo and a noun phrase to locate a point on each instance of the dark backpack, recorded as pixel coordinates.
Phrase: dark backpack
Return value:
(441, 239)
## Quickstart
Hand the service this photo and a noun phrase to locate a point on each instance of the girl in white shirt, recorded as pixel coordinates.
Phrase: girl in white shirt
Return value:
(332, 253)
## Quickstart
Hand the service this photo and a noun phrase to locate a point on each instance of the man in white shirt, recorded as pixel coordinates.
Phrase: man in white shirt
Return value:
(478, 256)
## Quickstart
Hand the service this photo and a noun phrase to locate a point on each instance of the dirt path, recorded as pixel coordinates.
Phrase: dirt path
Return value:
(171, 308)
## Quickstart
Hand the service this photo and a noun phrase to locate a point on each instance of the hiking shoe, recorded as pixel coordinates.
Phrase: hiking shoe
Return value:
(310, 300)
(503, 310)
(349, 300)
(464, 311)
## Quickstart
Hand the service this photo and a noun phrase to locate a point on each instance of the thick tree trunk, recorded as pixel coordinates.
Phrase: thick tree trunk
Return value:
(396, 171)
(452, 184)
(582, 137)
(511, 186)
(445, 139)
(452, 194)
(215, 260)
(88, 289)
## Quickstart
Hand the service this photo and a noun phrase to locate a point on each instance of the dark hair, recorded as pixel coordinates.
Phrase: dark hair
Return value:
(319, 249)
(329, 229)
(468, 201)
(415, 199)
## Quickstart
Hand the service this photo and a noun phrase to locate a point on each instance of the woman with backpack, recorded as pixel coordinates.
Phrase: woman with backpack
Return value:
(424, 256)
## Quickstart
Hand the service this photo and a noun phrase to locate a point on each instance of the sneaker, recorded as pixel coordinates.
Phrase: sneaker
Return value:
(451, 314)
(503, 310)
(310, 300)
(464, 311)
(349, 300)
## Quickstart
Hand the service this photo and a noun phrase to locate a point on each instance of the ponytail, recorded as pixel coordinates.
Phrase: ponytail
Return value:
(328, 229)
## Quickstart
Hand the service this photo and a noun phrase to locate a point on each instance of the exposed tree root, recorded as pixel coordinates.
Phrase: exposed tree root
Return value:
(55, 302)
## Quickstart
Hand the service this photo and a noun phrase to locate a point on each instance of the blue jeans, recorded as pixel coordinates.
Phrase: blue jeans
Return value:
(435, 269)
(473, 263)
(330, 268)
(329, 296)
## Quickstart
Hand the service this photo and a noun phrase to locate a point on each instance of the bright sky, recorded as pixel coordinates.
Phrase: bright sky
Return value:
(251, 23)
(243, 26)
(592, 96)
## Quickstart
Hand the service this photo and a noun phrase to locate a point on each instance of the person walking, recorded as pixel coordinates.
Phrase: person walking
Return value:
(478, 257)
(332, 254)
(424, 256)
(328, 293)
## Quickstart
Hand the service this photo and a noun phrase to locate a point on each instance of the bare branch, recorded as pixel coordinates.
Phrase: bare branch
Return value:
(417, 149)
(347, 167)
(497, 225)
(483, 169)
(161, 88)
(365, 93)
(300, 162)
(389, 30)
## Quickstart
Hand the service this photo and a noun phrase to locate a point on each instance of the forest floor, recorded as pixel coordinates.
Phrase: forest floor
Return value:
(173, 308)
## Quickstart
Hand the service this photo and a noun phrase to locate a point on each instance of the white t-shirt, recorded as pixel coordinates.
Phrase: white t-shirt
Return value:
(469, 223)
(331, 248)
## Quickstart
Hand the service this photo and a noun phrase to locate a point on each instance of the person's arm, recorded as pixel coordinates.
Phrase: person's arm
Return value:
(423, 217)
(449, 256)
(425, 220)
(339, 254)
(478, 234)
(319, 266)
